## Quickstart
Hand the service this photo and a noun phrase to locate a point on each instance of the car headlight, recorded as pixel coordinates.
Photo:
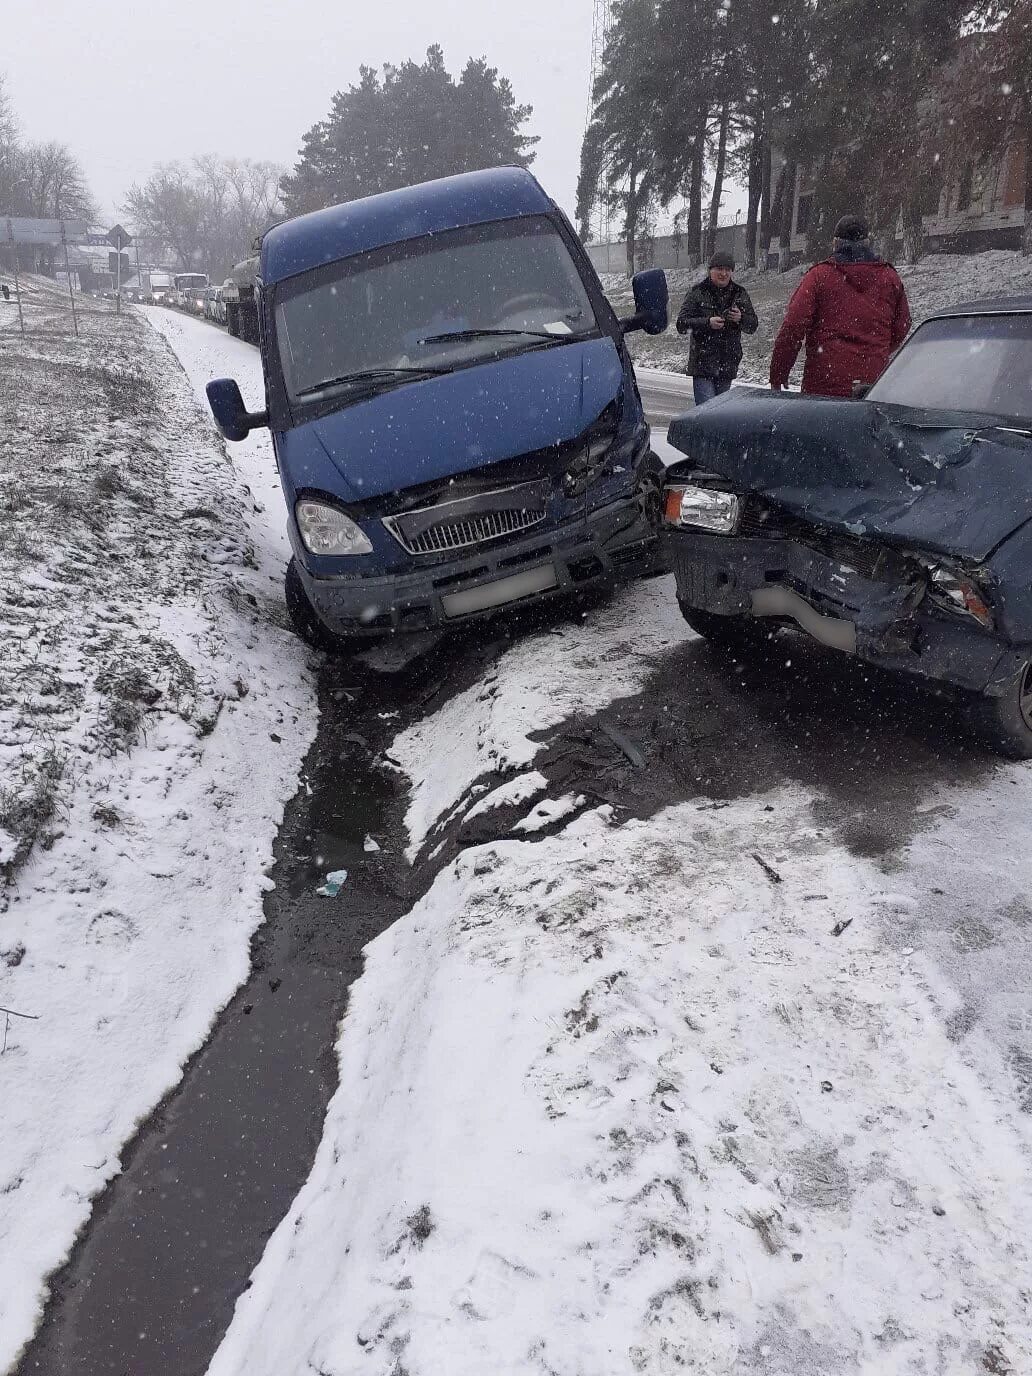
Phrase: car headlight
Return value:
(703, 508)
(327, 530)
(955, 592)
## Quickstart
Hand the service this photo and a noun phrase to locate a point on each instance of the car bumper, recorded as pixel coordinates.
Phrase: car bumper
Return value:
(882, 622)
(611, 543)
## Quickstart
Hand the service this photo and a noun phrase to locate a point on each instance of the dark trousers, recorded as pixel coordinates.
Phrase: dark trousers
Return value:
(706, 388)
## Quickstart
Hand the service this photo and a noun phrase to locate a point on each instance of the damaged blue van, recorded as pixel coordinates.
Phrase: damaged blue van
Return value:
(453, 409)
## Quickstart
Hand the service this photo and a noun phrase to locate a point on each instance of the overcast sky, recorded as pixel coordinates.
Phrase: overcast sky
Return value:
(128, 85)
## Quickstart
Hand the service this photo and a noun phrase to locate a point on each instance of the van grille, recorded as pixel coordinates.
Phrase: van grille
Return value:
(465, 530)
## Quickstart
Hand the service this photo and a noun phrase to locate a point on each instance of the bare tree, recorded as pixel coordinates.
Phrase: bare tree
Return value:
(208, 212)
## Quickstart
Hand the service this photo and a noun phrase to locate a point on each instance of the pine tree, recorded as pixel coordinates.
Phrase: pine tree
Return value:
(410, 124)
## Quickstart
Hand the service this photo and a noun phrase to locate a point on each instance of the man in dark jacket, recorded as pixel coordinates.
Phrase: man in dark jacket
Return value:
(851, 311)
(716, 311)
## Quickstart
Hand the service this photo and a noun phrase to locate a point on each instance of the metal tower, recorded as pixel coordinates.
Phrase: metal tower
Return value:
(600, 26)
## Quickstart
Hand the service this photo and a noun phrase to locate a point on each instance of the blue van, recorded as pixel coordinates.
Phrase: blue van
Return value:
(454, 412)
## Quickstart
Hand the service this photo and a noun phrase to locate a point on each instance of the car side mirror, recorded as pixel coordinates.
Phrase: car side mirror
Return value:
(651, 303)
(234, 420)
(860, 390)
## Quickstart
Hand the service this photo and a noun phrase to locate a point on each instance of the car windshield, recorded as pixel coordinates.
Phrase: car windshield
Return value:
(191, 279)
(433, 303)
(970, 363)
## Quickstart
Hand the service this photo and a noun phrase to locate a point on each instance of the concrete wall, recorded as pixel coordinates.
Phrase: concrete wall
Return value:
(665, 251)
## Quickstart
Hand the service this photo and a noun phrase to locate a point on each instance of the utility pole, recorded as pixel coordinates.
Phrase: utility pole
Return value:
(68, 274)
(17, 285)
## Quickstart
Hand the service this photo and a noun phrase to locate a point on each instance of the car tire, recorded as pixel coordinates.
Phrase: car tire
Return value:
(305, 619)
(729, 633)
(1004, 723)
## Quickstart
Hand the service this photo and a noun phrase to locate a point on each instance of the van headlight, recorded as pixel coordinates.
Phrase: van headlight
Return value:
(327, 530)
(703, 508)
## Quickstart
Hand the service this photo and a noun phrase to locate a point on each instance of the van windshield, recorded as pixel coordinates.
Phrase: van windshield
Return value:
(430, 304)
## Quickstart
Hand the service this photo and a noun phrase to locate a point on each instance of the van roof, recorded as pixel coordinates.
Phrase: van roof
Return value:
(325, 236)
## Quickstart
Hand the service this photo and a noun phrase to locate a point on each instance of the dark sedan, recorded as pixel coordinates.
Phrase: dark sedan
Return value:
(896, 527)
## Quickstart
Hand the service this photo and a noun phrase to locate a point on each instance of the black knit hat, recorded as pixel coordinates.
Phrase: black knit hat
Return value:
(723, 259)
(852, 229)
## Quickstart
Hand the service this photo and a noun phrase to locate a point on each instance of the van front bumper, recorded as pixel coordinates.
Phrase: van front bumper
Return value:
(612, 543)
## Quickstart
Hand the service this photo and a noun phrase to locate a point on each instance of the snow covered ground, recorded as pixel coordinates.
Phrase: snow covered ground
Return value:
(705, 1088)
(709, 1091)
(941, 279)
(154, 713)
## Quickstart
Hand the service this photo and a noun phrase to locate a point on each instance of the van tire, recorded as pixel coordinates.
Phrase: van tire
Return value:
(305, 619)
(1004, 723)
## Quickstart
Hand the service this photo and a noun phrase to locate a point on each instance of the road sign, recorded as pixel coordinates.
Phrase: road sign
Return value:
(119, 237)
(18, 230)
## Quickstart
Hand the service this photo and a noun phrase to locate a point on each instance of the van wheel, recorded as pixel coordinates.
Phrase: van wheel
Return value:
(1005, 722)
(733, 633)
(305, 619)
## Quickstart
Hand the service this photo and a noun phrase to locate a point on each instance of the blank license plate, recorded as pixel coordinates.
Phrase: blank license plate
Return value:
(501, 591)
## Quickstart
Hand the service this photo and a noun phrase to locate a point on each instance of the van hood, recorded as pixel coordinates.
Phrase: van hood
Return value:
(443, 426)
(947, 482)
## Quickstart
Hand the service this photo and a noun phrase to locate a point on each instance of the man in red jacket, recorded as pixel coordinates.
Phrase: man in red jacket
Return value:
(851, 311)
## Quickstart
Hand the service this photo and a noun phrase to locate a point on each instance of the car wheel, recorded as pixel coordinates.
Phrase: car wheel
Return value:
(1005, 722)
(305, 619)
(733, 633)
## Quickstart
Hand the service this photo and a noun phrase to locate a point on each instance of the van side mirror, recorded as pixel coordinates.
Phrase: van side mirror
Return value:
(234, 420)
(651, 302)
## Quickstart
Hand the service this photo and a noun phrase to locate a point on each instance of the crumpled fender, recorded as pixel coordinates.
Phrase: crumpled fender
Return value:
(950, 483)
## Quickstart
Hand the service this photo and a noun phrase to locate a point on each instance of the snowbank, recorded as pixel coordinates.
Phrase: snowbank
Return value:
(154, 713)
(621, 1099)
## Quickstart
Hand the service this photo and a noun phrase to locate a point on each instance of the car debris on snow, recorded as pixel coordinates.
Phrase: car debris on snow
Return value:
(335, 881)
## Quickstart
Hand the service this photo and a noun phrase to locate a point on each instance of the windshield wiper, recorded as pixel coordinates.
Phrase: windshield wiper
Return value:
(487, 334)
(369, 375)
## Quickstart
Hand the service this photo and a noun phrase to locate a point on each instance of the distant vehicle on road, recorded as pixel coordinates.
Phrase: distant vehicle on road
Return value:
(453, 408)
(214, 305)
(160, 288)
(240, 291)
(188, 290)
(896, 526)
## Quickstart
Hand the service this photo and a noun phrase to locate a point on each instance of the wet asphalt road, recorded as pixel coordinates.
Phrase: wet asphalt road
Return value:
(664, 396)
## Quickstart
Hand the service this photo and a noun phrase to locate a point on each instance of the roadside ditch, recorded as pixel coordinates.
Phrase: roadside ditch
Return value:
(151, 1282)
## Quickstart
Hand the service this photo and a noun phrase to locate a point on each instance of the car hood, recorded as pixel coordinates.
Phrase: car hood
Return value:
(428, 430)
(946, 482)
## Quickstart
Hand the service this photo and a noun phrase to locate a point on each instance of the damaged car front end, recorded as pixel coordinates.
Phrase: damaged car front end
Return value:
(896, 533)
